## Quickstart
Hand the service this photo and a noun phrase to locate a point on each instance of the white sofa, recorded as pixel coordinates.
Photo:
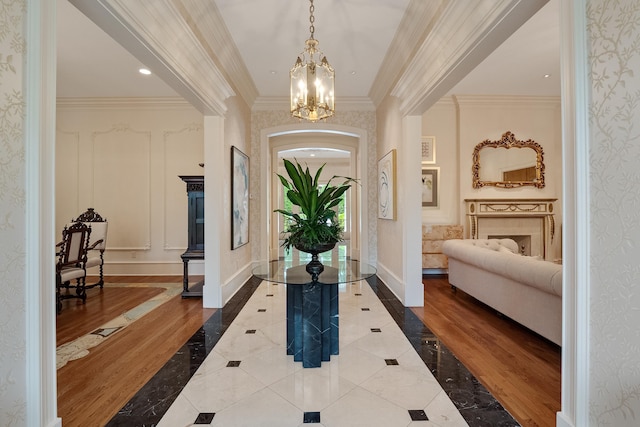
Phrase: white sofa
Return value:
(525, 289)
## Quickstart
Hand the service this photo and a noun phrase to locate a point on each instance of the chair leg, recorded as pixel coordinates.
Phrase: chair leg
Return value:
(58, 300)
(101, 275)
(81, 292)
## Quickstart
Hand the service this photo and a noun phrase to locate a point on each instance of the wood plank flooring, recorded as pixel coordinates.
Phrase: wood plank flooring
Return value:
(520, 368)
(102, 305)
(92, 390)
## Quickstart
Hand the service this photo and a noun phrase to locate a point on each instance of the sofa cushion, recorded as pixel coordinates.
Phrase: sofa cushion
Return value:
(488, 255)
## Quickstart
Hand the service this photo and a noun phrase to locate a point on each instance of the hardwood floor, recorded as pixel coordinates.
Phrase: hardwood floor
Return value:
(91, 390)
(520, 368)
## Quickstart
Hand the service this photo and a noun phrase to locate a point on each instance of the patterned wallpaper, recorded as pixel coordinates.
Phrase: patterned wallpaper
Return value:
(12, 214)
(614, 31)
(359, 119)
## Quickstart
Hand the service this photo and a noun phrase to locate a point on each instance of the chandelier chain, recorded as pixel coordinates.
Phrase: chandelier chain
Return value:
(312, 19)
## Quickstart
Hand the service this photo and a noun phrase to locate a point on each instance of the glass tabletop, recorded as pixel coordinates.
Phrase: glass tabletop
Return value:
(335, 271)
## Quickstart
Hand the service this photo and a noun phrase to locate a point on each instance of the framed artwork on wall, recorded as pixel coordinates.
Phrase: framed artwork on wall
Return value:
(386, 186)
(239, 198)
(430, 187)
(428, 150)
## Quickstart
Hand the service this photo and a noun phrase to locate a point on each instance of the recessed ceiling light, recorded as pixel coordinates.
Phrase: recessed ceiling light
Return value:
(353, 73)
(546, 76)
(312, 154)
(274, 72)
(144, 71)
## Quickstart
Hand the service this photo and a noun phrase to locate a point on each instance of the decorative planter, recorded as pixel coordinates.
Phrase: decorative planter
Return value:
(315, 267)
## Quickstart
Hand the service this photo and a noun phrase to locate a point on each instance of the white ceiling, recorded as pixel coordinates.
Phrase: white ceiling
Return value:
(269, 34)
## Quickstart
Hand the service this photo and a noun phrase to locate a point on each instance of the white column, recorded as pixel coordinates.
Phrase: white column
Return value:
(576, 209)
(214, 162)
(39, 136)
(409, 173)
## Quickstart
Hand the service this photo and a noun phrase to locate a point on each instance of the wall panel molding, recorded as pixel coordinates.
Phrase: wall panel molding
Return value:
(122, 185)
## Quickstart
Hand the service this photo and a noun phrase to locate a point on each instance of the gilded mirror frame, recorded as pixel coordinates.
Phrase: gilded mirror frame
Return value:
(507, 141)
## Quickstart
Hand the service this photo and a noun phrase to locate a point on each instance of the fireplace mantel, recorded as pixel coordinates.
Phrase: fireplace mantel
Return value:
(502, 216)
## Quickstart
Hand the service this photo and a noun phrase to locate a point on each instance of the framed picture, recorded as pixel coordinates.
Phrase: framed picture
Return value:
(428, 150)
(430, 187)
(239, 198)
(386, 186)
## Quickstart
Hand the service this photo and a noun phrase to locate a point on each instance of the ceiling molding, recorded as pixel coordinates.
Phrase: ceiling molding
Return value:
(529, 101)
(417, 22)
(156, 33)
(204, 19)
(460, 39)
(122, 103)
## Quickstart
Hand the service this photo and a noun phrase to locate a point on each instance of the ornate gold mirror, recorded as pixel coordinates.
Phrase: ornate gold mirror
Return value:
(508, 163)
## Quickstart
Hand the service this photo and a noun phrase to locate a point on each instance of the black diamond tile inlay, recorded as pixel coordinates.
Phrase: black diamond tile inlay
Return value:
(269, 295)
(205, 418)
(311, 417)
(376, 330)
(418, 415)
(358, 295)
(233, 364)
(166, 385)
(365, 309)
(262, 310)
(391, 362)
(250, 331)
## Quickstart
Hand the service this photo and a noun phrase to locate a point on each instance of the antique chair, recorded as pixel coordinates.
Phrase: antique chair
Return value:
(71, 265)
(98, 243)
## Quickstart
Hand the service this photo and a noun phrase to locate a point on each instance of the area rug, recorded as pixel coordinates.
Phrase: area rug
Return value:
(80, 347)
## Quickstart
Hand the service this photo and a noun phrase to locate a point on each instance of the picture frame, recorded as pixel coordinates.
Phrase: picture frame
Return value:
(239, 198)
(428, 150)
(387, 186)
(430, 187)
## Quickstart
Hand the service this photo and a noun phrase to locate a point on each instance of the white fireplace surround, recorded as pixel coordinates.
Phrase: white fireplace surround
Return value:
(513, 217)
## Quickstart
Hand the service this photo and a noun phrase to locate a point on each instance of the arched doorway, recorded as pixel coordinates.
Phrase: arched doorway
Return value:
(337, 155)
(350, 142)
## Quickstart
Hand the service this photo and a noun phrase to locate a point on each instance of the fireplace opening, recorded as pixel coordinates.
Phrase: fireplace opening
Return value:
(523, 241)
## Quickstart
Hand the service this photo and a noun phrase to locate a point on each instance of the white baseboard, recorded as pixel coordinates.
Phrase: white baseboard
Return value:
(234, 283)
(562, 420)
(391, 281)
(149, 268)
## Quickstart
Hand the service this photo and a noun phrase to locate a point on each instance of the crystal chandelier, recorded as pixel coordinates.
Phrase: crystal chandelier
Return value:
(312, 83)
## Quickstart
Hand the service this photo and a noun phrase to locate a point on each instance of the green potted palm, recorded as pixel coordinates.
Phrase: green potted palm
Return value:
(315, 229)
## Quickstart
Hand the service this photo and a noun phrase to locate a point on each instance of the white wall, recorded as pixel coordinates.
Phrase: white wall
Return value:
(235, 265)
(461, 122)
(123, 159)
(391, 231)
(440, 121)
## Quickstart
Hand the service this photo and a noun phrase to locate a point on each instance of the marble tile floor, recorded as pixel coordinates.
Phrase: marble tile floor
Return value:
(391, 371)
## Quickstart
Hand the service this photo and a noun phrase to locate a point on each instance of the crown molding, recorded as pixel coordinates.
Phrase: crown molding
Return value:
(205, 20)
(122, 103)
(282, 103)
(156, 33)
(417, 22)
(460, 39)
(512, 100)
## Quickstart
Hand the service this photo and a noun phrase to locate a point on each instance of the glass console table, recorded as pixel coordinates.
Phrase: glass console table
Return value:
(312, 305)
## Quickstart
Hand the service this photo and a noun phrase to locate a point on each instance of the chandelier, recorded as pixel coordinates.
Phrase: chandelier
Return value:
(312, 83)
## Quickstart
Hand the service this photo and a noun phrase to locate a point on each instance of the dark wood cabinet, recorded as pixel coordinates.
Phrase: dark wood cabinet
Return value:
(195, 237)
